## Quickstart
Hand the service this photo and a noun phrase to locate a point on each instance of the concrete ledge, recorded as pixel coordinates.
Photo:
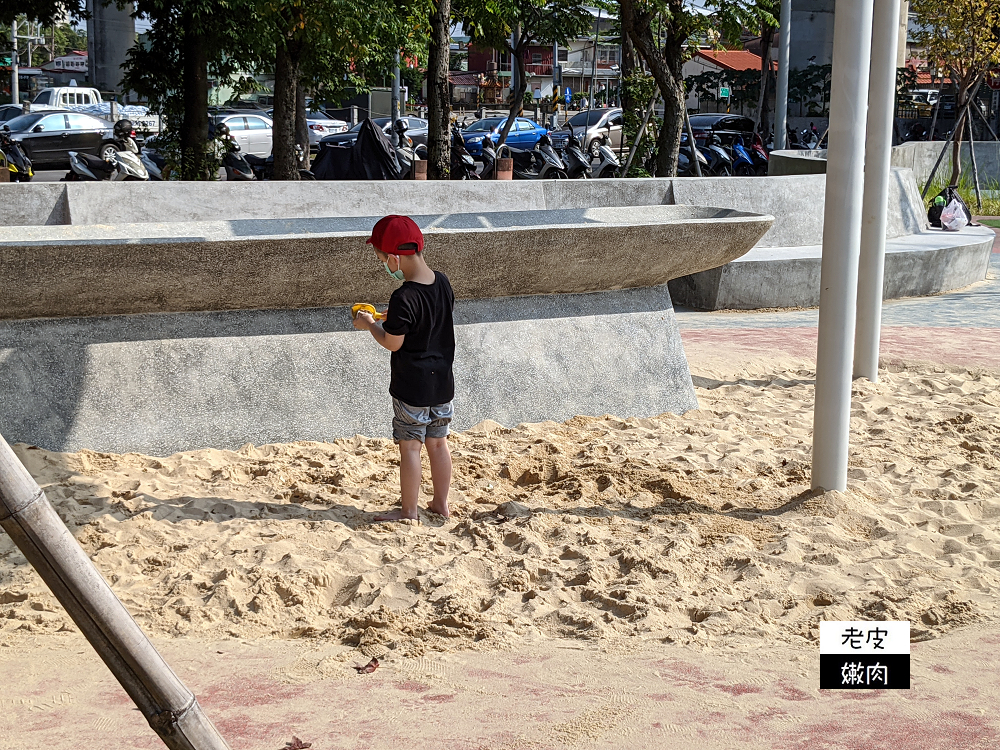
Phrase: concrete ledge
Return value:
(164, 383)
(297, 263)
(915, 265)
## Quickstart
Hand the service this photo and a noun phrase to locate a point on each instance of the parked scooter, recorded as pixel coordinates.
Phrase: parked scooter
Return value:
(743, 165)
(237, 166)
(463, 166)
(685, 166)
(759, 155)
(17, 162)
(577, 165)
(541, 163)
(489, 158)
(719, 162)
(609, 166)
(124, 165)
(406, 154)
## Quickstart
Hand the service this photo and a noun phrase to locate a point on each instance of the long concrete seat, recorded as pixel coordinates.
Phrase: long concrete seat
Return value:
(916, 265)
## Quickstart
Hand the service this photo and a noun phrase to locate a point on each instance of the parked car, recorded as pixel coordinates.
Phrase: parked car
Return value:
(589, 127)
(252, 131)
(727, 127)
(48, 136)
(320, 126)
(524, 134)
(416, 129)
(10, 111)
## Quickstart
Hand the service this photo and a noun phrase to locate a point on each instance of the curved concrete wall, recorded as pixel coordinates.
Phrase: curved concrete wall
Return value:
(164, 383)
(295, 263)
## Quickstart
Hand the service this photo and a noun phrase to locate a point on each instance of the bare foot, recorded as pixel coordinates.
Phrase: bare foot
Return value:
(395, 515)
(440, 508)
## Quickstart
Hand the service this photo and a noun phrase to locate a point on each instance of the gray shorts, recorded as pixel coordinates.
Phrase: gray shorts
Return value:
(420, 422)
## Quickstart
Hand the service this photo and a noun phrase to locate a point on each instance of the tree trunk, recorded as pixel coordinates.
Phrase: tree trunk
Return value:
(286, 79)
(194, 124)
(629, 64)
(766, 37)
(439, 93)
(665, 65)
(302, 124)
(516, 96)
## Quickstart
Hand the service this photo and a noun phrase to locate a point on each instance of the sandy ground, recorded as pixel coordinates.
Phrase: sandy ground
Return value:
(582, 559)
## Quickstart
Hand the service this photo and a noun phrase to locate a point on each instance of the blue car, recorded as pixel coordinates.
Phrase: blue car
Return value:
(524, 133)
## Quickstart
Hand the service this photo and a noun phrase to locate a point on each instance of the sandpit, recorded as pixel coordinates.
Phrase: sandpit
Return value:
(697, 529)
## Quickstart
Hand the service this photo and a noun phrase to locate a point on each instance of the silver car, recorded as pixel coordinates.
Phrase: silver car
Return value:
(589, 126)
(252, 131)
(320, 126)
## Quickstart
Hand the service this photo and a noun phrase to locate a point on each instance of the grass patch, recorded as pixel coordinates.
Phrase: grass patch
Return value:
(995, 223)
(967, 189)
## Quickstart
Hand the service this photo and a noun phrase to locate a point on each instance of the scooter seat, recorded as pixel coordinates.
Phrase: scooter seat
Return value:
(96, 163)
(522, 159)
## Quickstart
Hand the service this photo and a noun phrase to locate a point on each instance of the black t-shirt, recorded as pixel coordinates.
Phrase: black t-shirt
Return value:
(421, 368)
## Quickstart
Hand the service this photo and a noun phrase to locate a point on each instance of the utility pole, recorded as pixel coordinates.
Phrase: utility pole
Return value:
(15, 94)
(394, 106)
(593, 74)
(784, 48)
(556, 84)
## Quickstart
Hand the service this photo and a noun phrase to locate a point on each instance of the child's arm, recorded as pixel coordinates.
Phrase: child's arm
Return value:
(365, 322)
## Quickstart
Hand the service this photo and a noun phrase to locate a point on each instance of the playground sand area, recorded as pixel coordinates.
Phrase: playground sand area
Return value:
(694, 529)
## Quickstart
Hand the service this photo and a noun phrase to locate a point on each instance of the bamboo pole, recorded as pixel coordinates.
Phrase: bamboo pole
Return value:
(642, 129)
(975, 169)
(170, 708)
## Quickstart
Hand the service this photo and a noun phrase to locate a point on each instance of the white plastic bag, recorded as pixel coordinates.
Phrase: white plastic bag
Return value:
(953, 216)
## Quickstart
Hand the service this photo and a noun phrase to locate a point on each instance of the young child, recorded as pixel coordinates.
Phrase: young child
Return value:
(419, 332)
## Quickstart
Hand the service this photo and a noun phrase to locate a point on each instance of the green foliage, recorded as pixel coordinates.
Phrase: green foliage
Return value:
(744, 86)
(906, 80)
(641, 88)
(808, 84)
(44, 11)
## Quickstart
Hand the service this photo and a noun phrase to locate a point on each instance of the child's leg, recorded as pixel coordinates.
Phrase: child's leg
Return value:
(409, 482)
(440, 459)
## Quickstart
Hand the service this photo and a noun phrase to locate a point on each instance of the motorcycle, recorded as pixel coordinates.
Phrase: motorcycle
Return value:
(577, 165)
(759, 155)
(685, 165)
(154, 164)
(124, 164)
(609, 166)
(540, 163)
(463, 166)
(18, 163)
(719, 162)
(743, 165)
(489, 158)
(406, 154)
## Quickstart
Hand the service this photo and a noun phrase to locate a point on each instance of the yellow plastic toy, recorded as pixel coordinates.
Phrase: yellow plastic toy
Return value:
(365, 307)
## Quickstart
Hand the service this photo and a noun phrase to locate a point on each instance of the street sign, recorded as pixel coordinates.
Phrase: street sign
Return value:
(992, 80)
(723, 92)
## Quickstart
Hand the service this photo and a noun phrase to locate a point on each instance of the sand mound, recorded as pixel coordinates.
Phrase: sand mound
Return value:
(698, 528)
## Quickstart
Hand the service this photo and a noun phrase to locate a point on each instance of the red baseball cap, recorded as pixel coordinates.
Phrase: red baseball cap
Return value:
(392, 231)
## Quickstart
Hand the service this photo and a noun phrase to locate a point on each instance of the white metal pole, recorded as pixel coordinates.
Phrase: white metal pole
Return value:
(784, 46)
(878, 156)
(845, 166)
(15, 94)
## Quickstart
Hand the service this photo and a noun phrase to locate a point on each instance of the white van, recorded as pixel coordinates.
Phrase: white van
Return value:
(80, 99)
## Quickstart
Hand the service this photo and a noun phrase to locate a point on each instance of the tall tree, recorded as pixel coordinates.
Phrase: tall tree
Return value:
(680, 24)
(515, 25)
(770, 9)
(439, 92)
(188, 40)
(963, 36)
